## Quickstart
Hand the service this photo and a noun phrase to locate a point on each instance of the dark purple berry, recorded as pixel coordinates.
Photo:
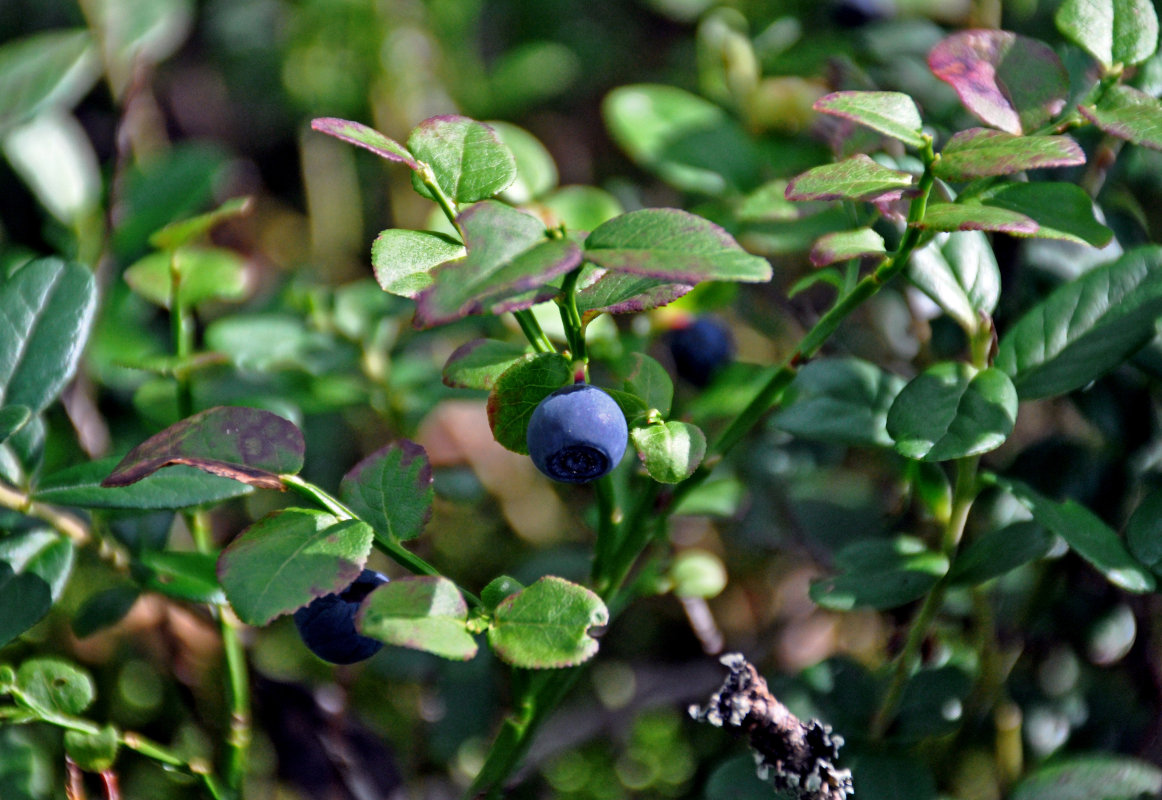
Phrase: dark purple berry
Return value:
(857, 13)
(327, 623)
(700, 349)
(577, 434)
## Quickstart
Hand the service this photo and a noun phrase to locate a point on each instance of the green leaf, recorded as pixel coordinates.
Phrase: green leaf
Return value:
(981, 153)
(44, 553)
(425, 613)
(391, 490)
(974, 217)
(104, 609)
(1000, 551)
(927, 697)
(768, 203)
(508, 255)
(46, 310)
(94, 752)
(548, 625)
(893, 114)
(1086, 534)
(1042, 210)
(54, 68)
(1007, 81)
(844, 400)
(1144, 531)
(178, 487)
(24, 599)
(880, 574)
(1128, 114)
(951, 410)
(1097, 776)
(184, 231)
(245, 444)
(626, 293)
(288, 558)
(582, 208)
(184, 575)
(368, 138)
(697, 573)
(670, 451)
(1085, 327)
(54, 686)
(1112, 31)
(469, 160)
(959, 272)
(648, 379)
(477, 364)
(518, 392)
(536, 172)
(673, 245)
(404, 260)
(855, 178)
(692, 144)
(12, 419)
(846, 245)
(206, 273)
(498, 589)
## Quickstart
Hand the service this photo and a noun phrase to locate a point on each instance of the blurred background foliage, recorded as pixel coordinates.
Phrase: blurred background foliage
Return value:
(165, 108)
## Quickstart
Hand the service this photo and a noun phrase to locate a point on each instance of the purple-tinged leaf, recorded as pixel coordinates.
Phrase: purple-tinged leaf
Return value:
(246, 444)
(672, 245)
(624, 292)
(1129, 114)
(477, 364)
(1007, 81)
(391, 490)
(519, 391)
(362, 136)
(547, 625)
(1112, 31)
(425, 613)
(855, 178)
(980, 153)
(1062, 210)
(508, 254)
(845, 245)
(403, 260)
(468, 159)
(893, 114)
(973, 217)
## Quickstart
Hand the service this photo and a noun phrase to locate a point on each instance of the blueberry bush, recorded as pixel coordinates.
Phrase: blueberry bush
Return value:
(661, 399)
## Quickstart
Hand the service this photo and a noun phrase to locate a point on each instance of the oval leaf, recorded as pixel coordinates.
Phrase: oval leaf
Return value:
(178, 487)
(477, 364)
(980, 153)
(671, 451)
(94, 752)
(368, 138)
(880, 574)
(391, 490)
(1128, 114)
(959, 272)
(855, 178)
(54, 67)
(54, 686)
(536, 172)
(1061, 210)
(626, 293)
(184, 575)
(1112, 31)
(207, 273)
(893, 114)
(842, 400)
(403, 260)
(43, 553)
(24, 599)
(1000, 551)
(103, 609)
(1007, 81)
(288, 558)
(951, 411)
(547, 625)
(519, 391)
(1089, 777)
(845, 245)
(425, 613)
(468, 159)
(179, 233)
(1086, 327)
(647, 378)
(244, 444)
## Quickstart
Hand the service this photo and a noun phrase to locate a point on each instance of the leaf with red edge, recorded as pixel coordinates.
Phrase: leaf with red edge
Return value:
(624, 292)
(981, 153)
(1128, 114)
(845, 245)
(890, 113)
(1007, 81)
(855, 178)
(246, 444)
(391, 490)
(368, 138)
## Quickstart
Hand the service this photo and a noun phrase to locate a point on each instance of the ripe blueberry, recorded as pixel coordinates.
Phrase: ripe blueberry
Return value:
(577, 434)
(700, 349)
(327, 623)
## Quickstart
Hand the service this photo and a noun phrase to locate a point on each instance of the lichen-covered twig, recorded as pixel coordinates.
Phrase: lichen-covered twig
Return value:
(795, 756)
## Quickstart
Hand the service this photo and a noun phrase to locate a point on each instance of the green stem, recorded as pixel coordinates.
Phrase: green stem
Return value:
(571, 318)
(533, 332)
(428, 178)
(182, 331)
(607, 528)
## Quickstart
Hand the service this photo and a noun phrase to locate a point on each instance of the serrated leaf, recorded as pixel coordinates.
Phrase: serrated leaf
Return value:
(24, 599)
(1144, 532)
(44, 553)
(183, 231)
(1000, 551)
(548, 625)
(518, 392)
(54, 685)
(646, 378)
(46, 311)
(959, 272)
(536, 172)
(845, 245)
(477, 364)
(103, 609)
(1112, 31)
(185, 575)
(425, 613)
(1086, 534)
(1086, 327)
(670, 451)
(880, 574)
(206, 273)
(855, 178)
(1128, 114)
(893, 114)
(93, 752)
(672, 245)
(1098, 776)
(244, 444)
(624, 293)
(45, 69)
(468, 159)
(980, 153)
(12, 419)
(844, 400)
(1007, 81)
(404, 260)
(508, 255)
(391, 490)
(288, 558)
(368, 138)
(951, 410)
(174, 488)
